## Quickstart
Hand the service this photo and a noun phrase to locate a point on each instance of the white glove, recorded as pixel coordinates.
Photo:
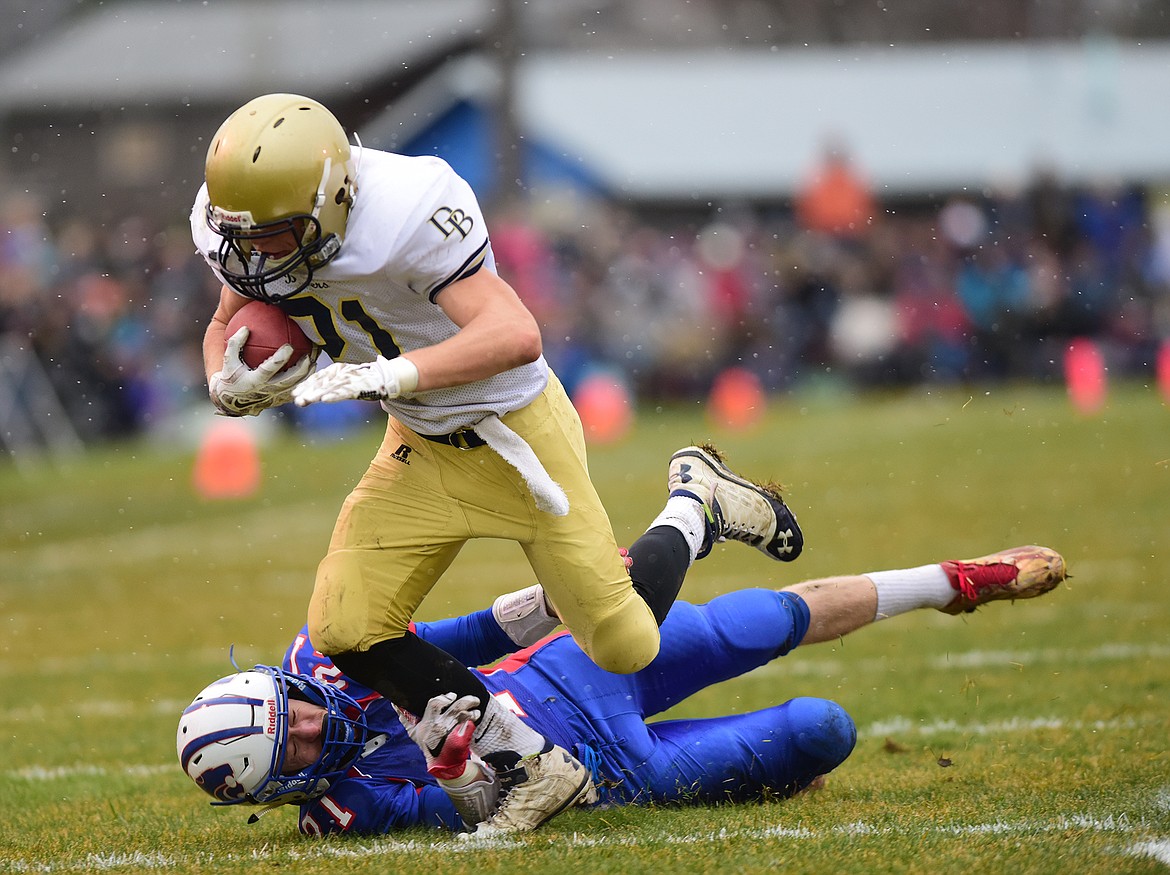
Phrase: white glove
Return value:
(379, 380)
(238, 390)
(442, 715)
(444, 734)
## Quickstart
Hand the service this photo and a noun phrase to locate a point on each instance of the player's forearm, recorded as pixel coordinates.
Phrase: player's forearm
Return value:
(214, 344)
(474, 639)
(515, 619)
(215, 337)
(483, 348)
(475, 793)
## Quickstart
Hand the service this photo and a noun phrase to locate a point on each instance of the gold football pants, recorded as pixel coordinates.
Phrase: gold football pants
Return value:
(420, 502)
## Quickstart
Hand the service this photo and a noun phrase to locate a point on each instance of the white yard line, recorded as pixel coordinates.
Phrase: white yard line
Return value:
(814, 666)
(1157, 847)
(905, 725)
(1113, 652)
(81, 770)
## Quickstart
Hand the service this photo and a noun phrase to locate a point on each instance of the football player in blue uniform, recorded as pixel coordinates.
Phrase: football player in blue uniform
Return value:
(304, 733)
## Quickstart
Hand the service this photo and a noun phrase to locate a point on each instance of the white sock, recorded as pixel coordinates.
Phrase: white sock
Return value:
(687, 515)
(909, 589)
(501, 730)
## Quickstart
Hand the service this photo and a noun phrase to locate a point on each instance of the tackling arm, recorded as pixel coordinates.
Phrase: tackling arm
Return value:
(515, 619)
(444, 735)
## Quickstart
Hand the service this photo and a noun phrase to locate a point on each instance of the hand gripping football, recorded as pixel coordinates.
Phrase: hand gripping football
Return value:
(269, 328)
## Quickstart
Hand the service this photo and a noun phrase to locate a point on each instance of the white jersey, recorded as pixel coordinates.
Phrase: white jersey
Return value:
(414, 229)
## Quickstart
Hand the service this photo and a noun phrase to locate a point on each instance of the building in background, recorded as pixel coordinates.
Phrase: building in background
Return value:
(652, 100)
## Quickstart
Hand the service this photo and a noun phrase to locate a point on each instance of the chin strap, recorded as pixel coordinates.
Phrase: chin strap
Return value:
(252, 818)
(319, 198)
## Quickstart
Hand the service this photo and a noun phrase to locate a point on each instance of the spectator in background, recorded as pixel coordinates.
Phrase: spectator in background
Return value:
(836, 199)
(109, 311)
(1110, 219)
(27, 259)
(863, 334)
(932, 323)
(812, 288)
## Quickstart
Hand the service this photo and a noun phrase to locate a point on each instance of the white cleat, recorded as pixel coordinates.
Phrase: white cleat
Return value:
(737, 508)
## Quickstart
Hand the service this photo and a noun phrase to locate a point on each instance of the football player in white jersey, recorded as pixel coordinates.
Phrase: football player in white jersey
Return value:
(386, 264)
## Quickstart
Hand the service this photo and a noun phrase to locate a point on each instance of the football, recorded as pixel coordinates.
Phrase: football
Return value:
(269, 329)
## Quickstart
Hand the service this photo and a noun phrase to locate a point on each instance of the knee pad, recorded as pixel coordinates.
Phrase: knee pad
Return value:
(626, 641)
(823, 731)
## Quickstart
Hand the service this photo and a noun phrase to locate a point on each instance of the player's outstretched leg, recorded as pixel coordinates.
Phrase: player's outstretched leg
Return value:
(958, 586)
(536, 789)
(1018, 573)
(737, 508)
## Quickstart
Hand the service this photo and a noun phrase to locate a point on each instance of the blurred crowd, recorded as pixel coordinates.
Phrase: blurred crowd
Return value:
(837, 288)
(840, 289)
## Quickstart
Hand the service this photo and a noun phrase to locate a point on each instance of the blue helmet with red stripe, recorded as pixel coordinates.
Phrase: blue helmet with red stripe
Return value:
(232, 738)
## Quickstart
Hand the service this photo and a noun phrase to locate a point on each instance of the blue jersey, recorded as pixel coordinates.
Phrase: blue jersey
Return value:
(602, 717)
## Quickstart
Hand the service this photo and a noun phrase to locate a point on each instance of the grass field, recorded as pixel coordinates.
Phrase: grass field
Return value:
(122, 592)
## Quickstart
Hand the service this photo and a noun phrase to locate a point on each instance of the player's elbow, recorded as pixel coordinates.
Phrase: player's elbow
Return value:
(526, 345)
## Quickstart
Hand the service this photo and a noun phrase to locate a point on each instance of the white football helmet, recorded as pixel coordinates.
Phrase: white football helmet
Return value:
(231, 739)
(279, 165)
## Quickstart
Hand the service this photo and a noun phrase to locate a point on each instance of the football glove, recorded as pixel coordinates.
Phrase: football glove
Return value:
(471, 784)
(444, 734)
(238, 390)
(442, 715)
(379, 380)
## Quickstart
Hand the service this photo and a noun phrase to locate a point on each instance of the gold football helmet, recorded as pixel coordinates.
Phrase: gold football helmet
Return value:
(280, 183)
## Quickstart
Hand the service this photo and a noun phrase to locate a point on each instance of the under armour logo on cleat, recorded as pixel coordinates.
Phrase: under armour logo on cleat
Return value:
(784, 536)
(684, 475)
